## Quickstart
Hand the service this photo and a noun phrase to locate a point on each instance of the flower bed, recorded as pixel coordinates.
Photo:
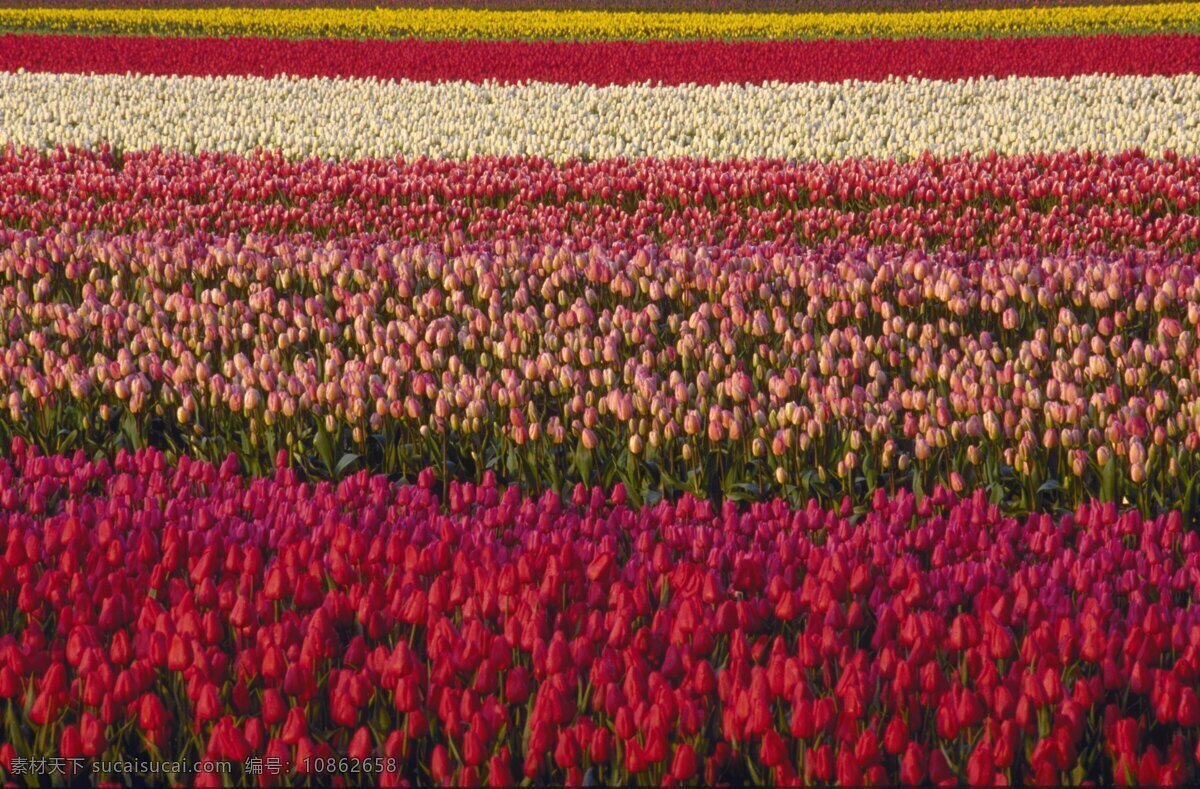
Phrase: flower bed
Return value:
(582, 24)
(607, 62)
(489, 637)
(619, 393)
(734, 374)
(986, 206)
(354, 118)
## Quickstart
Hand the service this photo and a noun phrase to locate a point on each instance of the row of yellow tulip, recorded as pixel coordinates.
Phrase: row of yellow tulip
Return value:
(476, 23)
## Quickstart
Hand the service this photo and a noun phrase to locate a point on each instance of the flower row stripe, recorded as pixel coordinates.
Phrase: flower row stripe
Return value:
(714, 6)
(477, 637)
(473, 23)
(606, 62)
(349, 118)
(805, 372)
(992, 207)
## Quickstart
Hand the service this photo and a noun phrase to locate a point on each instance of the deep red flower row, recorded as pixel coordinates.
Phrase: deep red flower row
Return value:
(991, 206)
(607, 62)
(468, 635)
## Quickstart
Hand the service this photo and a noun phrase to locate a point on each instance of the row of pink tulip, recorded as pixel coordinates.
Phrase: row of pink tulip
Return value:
(992, 205)
(185, 610)
(827, 372)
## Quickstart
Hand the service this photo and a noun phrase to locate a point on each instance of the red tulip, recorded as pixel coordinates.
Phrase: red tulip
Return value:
(70, 744)
(819, 762)
(8, 754)
(600, 749)
(228, 742)
(179, 653)
(516, 686)
(10, 683)
(473, 750)
(683, 763)
(1188, 709)
(912, 765)
(361, 745)
(208, 705)
(635, 760)
(849, 771)
(274, 706)
(152, 715)
(295, 727)
(92, 738)
(499, 772)
(439, 764)
(980, 766)
(895, 737)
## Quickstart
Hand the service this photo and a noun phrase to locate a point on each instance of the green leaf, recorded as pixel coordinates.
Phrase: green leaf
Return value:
(668, 480)
(743, 491)
(1190, 512)
(70, 441)
(871, 475)
(1050, 486)
(347, 460)
(553, 473)
(129, 425)
(583, 462)
(324, 447)
(1108, 481)
(11, 727)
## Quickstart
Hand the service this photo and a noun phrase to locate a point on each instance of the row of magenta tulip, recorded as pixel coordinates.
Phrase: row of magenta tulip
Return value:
(991, 205)
(831, 372)
(606, 62)
(484, 638)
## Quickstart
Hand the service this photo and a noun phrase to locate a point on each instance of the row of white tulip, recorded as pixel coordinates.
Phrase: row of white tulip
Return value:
(350, 118)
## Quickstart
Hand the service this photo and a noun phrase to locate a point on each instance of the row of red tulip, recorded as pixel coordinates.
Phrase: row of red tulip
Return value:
(991, 205)
(607, 62)
(186, 610)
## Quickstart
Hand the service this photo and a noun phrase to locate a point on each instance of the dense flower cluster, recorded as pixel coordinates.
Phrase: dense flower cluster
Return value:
(607, 62)
(989, 206)
(788, 6)
(350, 118)
(813, 373)
(183, 610)
(501, 392)
(577, 24)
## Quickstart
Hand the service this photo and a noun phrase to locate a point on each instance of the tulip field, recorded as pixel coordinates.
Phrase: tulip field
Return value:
(599, 393)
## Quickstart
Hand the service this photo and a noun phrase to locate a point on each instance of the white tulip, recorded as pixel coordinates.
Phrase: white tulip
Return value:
(348, 118)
